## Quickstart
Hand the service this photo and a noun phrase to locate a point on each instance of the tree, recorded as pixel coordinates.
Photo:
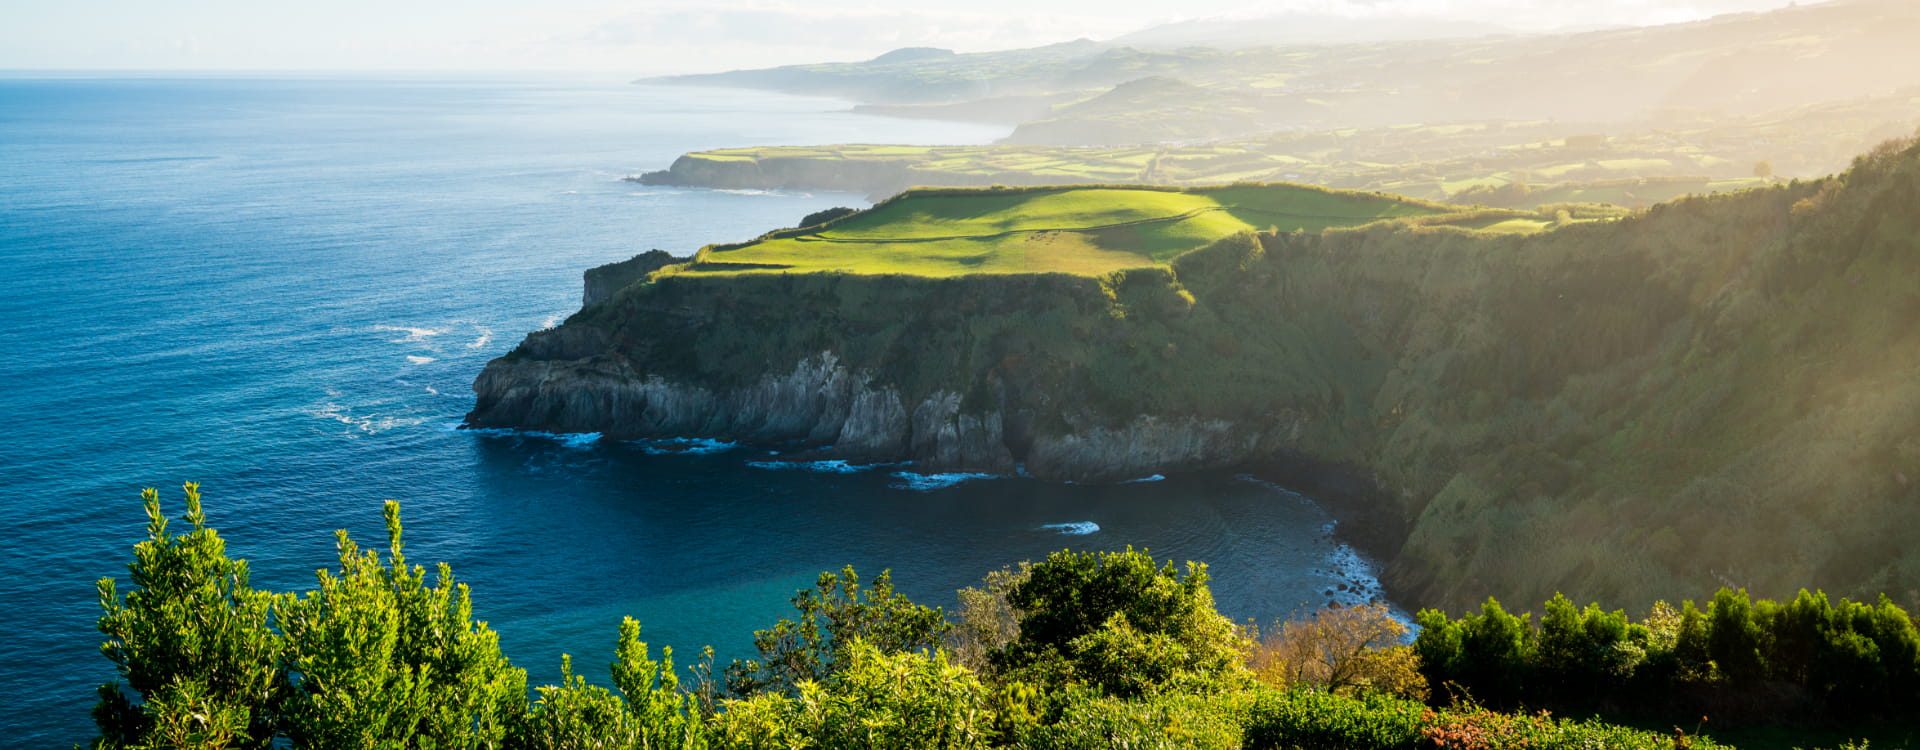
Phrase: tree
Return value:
(1733, 637)
(833, 615)
(1119, 622)
(987, 622)
(191, 639)
(1763, 169)
(1489, 654)
(1343, 650)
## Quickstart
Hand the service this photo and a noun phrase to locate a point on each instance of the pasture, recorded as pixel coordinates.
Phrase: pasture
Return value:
(1079, 230)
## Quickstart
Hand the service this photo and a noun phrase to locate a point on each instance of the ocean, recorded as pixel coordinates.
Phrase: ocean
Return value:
(282, 287)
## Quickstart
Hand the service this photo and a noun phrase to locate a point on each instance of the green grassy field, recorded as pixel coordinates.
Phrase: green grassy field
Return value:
(1083, 230)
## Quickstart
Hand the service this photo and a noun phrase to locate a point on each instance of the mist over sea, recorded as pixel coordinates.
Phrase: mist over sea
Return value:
(283, 288)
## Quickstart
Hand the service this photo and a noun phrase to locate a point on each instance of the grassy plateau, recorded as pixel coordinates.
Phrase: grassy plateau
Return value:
(1089, 230)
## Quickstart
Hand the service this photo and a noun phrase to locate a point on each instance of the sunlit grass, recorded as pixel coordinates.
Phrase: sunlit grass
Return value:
(1083, 230)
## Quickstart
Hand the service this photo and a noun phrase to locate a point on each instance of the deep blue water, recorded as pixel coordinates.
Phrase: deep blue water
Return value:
(282, 288)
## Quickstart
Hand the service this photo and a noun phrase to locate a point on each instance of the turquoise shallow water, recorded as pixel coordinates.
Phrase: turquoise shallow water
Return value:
(282, 288)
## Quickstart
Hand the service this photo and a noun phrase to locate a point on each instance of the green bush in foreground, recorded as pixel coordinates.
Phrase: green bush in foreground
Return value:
(879, 700)
(834, 615)
(1112, 650)
(374, 657)
(1121, 623)
(191, 640)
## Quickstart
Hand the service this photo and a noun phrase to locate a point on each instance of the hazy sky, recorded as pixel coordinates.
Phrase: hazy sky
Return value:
(651, 36)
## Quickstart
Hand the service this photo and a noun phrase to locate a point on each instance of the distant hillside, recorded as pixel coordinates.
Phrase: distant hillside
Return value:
(906, 76)
(1736, 64)
(1499, 162)
(1301, 29)
(1159, 109)
(1718, 391)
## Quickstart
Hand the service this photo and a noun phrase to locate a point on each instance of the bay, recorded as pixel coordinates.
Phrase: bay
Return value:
(283, 286)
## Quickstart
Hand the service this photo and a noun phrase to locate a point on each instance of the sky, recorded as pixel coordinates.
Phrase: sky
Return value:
(661, 36)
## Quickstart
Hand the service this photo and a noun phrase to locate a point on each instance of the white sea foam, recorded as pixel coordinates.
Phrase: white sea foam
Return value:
(565, 439)
(684, 446)
(929, 482)
(1077, 528)
(485, 337)
(413, 335)
(368, 424)
(1142, 480)
(829, 466)
(418, 360)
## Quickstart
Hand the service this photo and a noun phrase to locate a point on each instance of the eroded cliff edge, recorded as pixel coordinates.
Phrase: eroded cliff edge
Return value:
(968, 374)
(1718, 391)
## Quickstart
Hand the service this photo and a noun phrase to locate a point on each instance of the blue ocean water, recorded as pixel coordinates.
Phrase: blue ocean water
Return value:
(283, 287)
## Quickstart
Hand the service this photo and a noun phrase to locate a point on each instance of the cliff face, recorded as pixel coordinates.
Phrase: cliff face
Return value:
(1717, 392)
(601, 282)
(899, 406)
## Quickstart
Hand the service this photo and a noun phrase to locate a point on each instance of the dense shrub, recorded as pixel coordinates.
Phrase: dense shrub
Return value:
(191, 641)
(833, 615)
(1176, 721)
(878, 700)
(1128, 653)
(1740, 657)
(1312, 720)
(1120, 622)
(375, 657)
(655, 713)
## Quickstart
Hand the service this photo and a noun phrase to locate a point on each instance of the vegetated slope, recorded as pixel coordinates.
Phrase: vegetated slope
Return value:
(1499, 162)
(1158, 109)
(1079, 230)
(1716, 392)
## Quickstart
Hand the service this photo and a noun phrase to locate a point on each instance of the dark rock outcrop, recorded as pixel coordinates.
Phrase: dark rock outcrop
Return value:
(601, 282)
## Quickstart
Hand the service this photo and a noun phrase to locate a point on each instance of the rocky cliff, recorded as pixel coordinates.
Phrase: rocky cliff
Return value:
(602, 281)
(869, 398)
(1718, 391)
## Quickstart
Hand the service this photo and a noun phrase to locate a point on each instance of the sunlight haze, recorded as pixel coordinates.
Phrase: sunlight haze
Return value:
(671, 36)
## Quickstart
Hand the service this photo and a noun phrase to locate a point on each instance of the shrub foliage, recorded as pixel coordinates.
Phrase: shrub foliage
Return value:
(1080, 650)
(1810, 658)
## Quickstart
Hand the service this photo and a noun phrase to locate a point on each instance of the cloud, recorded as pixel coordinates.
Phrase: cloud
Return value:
(643, 36)
(686, 35)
